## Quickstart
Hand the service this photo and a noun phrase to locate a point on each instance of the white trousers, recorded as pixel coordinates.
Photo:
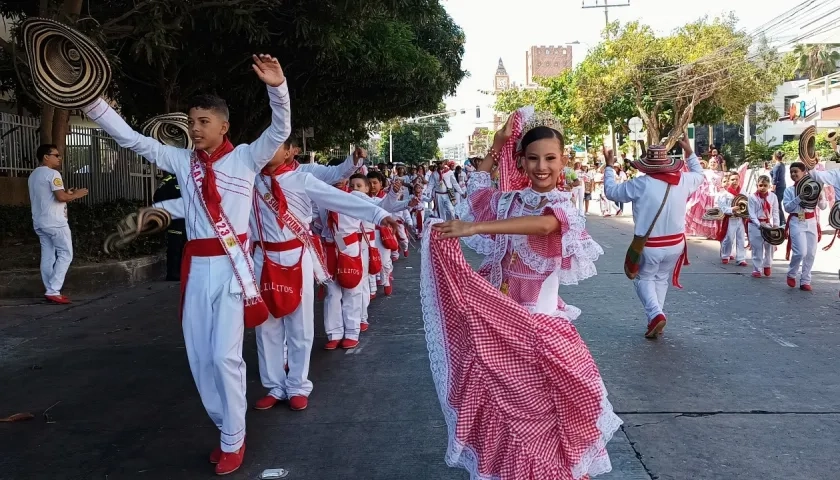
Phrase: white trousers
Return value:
(368, 288)
(735, 235)
(213, 324)
(655, 271)
(803, 248)
(578, 193)
(343, 306)
(762, 252)
(56, 255)
(443, 207)
(387, 263)
(403, 236)
(296, 331)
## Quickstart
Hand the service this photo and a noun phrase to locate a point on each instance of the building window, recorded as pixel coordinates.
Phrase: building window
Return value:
(788, 98)
(547, 51)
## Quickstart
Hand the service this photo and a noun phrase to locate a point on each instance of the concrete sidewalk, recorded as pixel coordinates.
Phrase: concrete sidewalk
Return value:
(743, 385)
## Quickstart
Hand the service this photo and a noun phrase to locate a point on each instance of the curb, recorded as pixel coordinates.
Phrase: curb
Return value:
(91, 278)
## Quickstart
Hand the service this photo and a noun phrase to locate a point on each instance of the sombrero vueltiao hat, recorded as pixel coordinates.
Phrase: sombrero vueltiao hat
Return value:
(169, 129)
(774, 236)
(68, 69)
(740, 204)
(808, 147)
(834, 216)
(657, 161)
(808, 191)
(146, 221)
(713, 214)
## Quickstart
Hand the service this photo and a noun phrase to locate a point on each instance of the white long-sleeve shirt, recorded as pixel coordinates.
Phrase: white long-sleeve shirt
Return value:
(235, 172)
(791, 202)
(756, 208)
(443, 183)
(331, 174)
(647, 194)
(830, 177)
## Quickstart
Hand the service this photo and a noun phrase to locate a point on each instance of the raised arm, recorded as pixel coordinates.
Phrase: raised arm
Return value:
(625, 192)
(830, 177)
(332, 174)
(527, 225)
(262, 150)
(164, 156)
(335, 200)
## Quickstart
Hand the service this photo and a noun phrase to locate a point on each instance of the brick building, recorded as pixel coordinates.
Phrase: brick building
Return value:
(546, 61)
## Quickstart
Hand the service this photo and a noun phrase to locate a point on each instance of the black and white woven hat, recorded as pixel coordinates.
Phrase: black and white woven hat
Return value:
(774, 235)
(68, 69)
(808, 191)
(169, 129)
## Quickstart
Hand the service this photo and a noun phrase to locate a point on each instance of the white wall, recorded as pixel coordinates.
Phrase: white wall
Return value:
(784, 127)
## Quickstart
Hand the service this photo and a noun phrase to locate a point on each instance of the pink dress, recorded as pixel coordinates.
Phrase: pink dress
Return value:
(701, 200)
(522, 397)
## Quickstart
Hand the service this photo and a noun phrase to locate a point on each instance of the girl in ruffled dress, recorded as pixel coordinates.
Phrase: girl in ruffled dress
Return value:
(522, 396)
(701, 200)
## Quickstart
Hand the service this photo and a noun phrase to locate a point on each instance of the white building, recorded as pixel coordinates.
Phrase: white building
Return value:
(802, 103)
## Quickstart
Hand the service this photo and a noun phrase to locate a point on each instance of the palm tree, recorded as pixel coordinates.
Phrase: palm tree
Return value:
(816, 59)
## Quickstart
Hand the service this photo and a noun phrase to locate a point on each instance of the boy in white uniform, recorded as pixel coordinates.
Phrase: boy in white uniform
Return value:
(219, 288)
(802, 229)
(49, 218)
(734, 226)
(665, 250)
(282, 218)
(764, 212)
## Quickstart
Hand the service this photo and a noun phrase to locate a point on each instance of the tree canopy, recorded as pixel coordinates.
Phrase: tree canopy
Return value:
(704, 72)
(416, 142)
(350, 64)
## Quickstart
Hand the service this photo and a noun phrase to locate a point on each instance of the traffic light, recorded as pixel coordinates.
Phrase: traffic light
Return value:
(477, 112)
(587, 142)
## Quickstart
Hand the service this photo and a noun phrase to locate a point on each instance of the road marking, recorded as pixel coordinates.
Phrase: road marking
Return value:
(781, 341)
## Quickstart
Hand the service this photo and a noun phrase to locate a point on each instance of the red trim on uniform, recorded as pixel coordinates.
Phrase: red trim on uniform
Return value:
(669, 241)
(201, 247)
(279, 246)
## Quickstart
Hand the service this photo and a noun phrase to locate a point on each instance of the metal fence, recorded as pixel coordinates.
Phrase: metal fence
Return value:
(92, 160)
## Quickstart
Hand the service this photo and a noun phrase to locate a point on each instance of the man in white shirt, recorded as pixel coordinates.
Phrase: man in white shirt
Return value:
(49, 217)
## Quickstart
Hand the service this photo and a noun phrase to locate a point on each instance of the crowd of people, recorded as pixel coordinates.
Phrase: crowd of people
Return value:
(521, 394)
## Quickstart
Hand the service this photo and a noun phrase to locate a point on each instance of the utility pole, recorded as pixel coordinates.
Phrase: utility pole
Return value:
(605, 4)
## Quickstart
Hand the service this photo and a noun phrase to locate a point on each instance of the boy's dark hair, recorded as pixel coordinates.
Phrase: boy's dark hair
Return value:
(377, 175)
(210, 102)
(44, 150)
(800, 166)
(290, 142)
(362, 176)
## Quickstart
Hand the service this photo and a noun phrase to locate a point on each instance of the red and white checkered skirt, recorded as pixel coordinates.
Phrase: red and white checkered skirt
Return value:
(520, 392)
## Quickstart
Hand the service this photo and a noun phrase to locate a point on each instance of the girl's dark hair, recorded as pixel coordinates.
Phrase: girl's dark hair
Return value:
(377, 175)
(362, 176)
(541, 133)
(799, 165)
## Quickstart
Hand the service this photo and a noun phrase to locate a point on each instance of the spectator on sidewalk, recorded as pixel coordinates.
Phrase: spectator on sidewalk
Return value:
(779, 175)
(49, 218)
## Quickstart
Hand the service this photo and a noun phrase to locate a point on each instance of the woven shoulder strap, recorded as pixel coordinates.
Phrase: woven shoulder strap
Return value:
(659, 212)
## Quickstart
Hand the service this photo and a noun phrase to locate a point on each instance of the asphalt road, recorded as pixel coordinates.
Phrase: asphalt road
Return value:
(743, 385)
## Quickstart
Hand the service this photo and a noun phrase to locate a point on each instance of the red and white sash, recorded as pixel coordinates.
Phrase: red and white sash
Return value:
(237, 253)
(301, 231)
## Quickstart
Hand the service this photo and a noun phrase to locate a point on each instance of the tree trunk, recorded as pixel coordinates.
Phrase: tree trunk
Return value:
(55, 122)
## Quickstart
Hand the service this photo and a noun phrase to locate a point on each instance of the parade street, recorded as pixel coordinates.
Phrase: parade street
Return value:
(743, 385)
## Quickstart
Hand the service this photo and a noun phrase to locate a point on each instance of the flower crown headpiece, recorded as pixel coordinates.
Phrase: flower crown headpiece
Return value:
(534, 119)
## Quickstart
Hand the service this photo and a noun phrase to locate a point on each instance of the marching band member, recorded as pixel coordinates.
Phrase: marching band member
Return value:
(659, 201)
(286, 259)
(764, 212)
(219, 288)
(802, 229)
(732, 228)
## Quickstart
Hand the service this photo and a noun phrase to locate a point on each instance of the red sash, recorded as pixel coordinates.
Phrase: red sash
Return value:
(348, 269)
(255, 312)
(670, 241)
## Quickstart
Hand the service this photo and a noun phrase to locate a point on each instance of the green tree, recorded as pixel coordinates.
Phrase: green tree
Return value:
(704, 72)
(415, 141)
(815, 60)
(350, 63)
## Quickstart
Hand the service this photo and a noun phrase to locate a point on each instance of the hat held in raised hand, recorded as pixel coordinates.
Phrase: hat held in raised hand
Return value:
(68, 70)
(657, 161)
